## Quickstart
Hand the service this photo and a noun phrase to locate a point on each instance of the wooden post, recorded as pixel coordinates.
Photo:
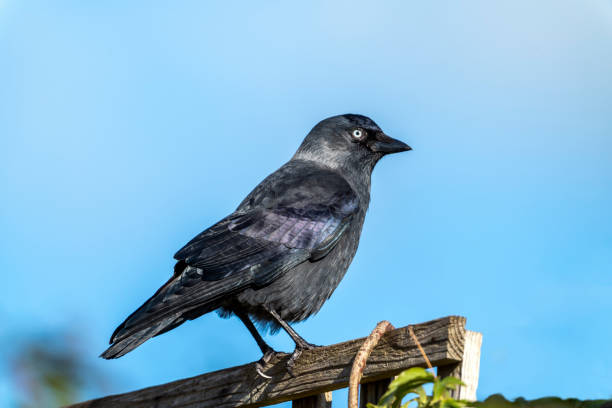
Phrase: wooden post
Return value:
(371, 392)
(468, 369)
(317, 371)
(314, 401)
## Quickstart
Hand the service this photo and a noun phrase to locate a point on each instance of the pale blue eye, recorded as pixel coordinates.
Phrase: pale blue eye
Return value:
(357, 133)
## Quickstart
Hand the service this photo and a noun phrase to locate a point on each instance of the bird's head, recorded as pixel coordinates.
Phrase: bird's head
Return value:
(348, 140)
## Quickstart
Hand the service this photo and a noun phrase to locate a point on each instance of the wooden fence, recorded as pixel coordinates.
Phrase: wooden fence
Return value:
(449, 347)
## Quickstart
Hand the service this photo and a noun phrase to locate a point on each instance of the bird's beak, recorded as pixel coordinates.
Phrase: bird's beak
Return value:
(385, 144)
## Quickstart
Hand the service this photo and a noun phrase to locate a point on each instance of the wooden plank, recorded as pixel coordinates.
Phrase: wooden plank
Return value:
(372, 391)
(468, 369)
(314, 401)
(317, 371)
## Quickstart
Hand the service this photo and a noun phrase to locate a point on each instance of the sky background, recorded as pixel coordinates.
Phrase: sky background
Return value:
(128, 127)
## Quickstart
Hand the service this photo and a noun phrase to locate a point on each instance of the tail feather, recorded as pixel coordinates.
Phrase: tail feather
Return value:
(184, 297)
(178, 296)
(128, 344)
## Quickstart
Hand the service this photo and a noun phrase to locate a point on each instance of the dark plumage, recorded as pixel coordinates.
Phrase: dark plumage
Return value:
(282, 253)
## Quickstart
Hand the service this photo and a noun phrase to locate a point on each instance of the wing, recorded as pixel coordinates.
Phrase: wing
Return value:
(295, 216)
(222, 251)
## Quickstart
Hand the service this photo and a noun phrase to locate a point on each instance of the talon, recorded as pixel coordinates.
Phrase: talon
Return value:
(259, 370)
(268, 355)
(263, 361)
(291, 362)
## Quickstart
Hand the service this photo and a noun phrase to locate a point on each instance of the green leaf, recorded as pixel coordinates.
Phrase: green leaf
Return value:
(450, 383)
(422, 399)
(451, 403)
(406, 382)
(443, 386)
(438, 391)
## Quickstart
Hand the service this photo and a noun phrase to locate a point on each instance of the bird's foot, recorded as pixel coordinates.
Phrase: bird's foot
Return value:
(303, 345)
(291, 362)
(263, 361)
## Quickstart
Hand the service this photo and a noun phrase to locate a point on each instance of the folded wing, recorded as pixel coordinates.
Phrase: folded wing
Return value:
(280, 225)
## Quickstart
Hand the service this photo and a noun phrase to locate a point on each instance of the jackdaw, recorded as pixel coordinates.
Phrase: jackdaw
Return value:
(283, 252)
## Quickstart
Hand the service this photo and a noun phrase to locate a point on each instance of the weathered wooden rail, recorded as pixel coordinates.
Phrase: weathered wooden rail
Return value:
(451, 348)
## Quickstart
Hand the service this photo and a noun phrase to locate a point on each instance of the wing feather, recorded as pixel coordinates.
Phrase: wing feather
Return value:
(295, 216)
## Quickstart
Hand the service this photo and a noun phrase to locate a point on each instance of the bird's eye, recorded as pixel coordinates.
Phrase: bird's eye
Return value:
(358, 134)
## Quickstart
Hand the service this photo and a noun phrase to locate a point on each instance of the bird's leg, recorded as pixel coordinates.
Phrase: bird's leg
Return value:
(267, 351)
(300, 343)
(263, 346)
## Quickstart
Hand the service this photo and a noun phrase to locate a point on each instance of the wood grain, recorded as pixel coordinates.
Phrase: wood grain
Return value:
(316, 371)
(468, 369)
(314, 401)
(371, 392)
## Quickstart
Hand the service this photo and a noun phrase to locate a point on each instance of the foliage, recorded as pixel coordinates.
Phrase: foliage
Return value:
(51, 370)
(412, 381)
(498, 401)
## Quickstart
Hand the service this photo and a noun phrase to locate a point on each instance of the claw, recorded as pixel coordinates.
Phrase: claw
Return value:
(296, 354)
(291, 362)
(259, 366)
(259, 370)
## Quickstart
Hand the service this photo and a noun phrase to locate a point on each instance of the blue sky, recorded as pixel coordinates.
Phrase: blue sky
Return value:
(125, 129)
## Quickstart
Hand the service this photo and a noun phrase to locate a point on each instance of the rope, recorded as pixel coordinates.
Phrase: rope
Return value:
(360, 361)
(364, 352)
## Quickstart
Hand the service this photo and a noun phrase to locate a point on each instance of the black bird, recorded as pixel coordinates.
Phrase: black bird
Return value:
(282, 253)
